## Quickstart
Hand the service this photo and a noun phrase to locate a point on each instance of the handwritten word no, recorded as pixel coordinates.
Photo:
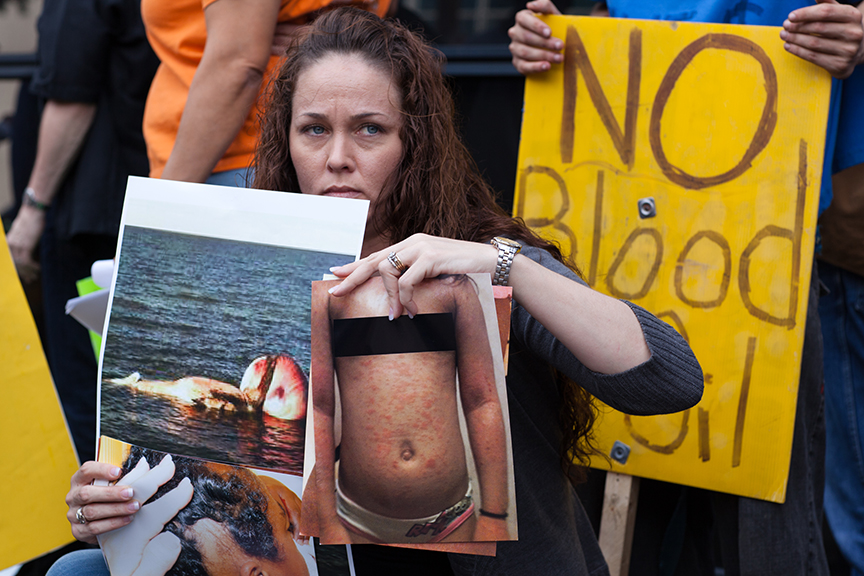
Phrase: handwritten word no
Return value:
(576, 60)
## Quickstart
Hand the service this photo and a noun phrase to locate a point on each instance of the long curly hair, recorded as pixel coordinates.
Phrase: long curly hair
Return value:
(437, 188)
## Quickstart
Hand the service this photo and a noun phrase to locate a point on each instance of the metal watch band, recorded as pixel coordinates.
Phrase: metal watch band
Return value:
(506, 253)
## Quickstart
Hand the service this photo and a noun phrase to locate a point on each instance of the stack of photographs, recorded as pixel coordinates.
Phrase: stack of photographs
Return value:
(228, 371)
(204, 374)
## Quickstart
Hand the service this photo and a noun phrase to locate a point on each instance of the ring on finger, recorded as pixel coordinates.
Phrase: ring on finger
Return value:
(79, 516)
(397, 263)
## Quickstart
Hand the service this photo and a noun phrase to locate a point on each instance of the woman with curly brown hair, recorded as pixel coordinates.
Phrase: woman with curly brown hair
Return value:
(360, 110)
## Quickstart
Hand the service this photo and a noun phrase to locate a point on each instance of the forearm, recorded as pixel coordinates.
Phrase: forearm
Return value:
(219, 102)
(62, 130)
(225, 86)
(670, 381)
(489, 447)
(603, 333)
(325, 466)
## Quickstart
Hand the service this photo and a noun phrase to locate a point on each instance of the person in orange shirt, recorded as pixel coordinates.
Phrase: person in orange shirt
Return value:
(200, 119)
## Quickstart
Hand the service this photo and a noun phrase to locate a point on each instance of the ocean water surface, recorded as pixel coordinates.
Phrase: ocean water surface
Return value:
(195, 306)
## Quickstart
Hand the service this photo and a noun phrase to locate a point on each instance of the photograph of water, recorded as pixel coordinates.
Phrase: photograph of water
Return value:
(190, 316)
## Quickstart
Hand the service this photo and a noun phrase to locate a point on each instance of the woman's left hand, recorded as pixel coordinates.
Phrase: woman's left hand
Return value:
(827, 34)
(426, 257)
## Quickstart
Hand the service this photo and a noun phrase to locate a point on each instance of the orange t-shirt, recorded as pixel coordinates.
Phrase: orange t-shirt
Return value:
(177, 31)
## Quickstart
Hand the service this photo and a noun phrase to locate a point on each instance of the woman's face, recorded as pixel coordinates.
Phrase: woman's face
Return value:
(345, 128)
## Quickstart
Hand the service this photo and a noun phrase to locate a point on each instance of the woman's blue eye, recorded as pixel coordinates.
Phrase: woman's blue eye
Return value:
(318, 130)
(372, 129)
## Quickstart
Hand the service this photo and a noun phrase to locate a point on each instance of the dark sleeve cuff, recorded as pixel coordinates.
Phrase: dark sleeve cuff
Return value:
(670, 381)
(673, 369)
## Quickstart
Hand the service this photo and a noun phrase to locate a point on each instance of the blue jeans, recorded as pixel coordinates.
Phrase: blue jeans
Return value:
(239, 178)
(842, 313)
(89, 562)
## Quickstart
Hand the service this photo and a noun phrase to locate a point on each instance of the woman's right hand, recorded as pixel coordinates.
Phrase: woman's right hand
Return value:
(105, 508)
(532, 45)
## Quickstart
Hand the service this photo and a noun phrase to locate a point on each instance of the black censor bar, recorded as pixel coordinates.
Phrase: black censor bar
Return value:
(380, 335)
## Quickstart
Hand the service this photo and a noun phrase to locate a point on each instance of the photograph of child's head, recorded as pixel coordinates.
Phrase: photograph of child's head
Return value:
(410, 420)
(207, 348)
(237, 521)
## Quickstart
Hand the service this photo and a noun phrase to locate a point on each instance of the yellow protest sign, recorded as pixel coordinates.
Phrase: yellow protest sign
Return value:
(38, 458)
(679, 164)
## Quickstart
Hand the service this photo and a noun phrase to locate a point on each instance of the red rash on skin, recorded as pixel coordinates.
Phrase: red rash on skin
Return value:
(383, 448)
(402, 450)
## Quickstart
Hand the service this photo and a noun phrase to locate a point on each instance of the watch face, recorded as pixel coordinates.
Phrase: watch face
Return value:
(507, 242)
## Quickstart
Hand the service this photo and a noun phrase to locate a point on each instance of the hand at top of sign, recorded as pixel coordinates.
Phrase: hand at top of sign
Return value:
(532, 45)
(827, 34)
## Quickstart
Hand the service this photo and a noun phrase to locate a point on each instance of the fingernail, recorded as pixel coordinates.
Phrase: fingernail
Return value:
(784, 34)
(390, 315)
(334, 268)
(559, 45)
(114, 472)
(134, 506)
(792, 16)
(557, 57)
(410, 315)
(547, 32)
(333, 289)
(126, 493)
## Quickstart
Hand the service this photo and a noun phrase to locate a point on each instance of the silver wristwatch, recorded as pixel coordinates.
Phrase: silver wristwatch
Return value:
(507, 250)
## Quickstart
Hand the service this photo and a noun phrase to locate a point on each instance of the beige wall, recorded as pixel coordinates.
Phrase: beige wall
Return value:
(17, 35)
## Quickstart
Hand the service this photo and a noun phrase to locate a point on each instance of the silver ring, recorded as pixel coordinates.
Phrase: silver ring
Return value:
(397, 263)
(79, 516)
